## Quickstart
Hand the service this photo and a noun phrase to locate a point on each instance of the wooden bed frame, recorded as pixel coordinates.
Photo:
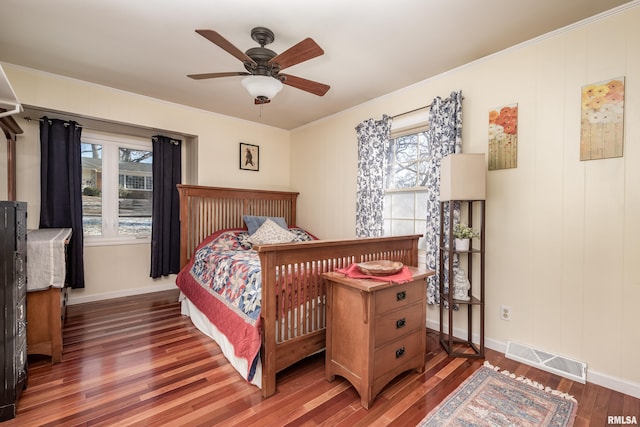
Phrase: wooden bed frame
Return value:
(293, 289)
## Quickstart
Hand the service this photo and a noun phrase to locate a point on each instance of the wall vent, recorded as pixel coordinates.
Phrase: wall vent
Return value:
(546, 361)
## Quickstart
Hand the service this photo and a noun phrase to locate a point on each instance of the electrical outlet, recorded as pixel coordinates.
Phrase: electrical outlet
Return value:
(505, 312)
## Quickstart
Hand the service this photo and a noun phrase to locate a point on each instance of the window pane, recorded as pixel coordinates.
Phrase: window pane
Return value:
(134, 200)
(421, 205)
(402, 227)
(422, 175)
(403, 206)
(423, 146)
(406, 162)
(386, 205)
(406, 148)
(91, 189)
(404, 176)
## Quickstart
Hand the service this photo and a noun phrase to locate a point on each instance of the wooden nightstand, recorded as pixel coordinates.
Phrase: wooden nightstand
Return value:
(375, 330)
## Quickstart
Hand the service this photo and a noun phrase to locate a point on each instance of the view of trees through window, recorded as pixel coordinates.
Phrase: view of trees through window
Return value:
(407, 161)
(117, 188)
(406, 197)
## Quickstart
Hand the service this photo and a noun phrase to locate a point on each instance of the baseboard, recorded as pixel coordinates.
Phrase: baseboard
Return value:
(80, 299)
(614, 383)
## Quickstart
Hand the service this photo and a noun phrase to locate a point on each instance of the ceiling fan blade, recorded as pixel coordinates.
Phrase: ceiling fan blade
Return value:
(216, 38)
(214, 75)
(303, 51)
(307, 85)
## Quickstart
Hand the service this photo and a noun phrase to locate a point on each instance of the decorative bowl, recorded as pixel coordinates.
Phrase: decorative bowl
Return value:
(381, 267)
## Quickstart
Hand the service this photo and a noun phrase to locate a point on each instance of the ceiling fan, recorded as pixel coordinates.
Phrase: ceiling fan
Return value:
(264, 66)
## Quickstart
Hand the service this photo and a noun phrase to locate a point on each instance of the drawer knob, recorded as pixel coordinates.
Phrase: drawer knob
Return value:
(400, 323)
(401, 295)
(399, 352)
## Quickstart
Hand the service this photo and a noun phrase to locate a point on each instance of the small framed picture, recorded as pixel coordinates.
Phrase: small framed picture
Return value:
(249, 157)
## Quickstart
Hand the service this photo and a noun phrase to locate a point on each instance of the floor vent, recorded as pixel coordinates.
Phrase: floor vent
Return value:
(553, 363)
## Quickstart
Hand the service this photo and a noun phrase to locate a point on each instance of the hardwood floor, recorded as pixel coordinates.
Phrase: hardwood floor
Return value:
(137, 361)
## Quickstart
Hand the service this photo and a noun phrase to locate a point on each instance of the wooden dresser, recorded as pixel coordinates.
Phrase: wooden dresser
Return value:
(46, 296)
(375, 330)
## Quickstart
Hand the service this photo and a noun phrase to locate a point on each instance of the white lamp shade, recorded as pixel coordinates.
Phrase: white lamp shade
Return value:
(265, 86)
(463, 177)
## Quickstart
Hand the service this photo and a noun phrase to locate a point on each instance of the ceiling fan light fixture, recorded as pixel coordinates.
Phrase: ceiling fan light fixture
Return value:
(262, 86)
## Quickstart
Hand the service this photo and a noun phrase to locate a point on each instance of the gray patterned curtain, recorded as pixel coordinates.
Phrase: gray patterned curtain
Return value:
(444, 137)
(373, 144)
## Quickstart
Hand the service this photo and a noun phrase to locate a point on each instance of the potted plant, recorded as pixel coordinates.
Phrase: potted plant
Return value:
(463, 234)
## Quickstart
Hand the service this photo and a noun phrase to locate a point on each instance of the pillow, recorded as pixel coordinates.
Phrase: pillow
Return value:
(270, 232)
(254, 222)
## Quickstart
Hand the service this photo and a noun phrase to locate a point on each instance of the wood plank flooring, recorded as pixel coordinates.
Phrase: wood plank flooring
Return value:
(136, 361)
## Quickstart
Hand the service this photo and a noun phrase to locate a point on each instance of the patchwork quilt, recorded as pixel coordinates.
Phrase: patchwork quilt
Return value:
(223, 280)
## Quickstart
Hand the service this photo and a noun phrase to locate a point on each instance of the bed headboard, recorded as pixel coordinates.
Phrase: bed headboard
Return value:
(204, 210)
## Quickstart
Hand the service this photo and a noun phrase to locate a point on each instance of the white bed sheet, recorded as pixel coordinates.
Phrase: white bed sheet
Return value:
(202, 323)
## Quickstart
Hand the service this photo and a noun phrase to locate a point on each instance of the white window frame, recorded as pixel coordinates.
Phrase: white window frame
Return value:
(111, 144)
(407, 126)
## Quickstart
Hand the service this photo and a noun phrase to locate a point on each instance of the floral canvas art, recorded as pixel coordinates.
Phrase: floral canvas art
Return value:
(602, 120)
(503, 137)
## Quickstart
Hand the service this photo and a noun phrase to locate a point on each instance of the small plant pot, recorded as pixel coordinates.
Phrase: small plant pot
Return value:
(462, 244)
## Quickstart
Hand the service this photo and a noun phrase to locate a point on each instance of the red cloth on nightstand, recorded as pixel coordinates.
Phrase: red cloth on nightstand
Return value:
(403, 276)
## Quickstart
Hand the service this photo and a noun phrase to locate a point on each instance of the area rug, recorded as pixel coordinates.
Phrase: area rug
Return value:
(491, 397)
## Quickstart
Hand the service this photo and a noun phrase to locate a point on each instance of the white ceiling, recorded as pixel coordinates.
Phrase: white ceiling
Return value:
(372, 47)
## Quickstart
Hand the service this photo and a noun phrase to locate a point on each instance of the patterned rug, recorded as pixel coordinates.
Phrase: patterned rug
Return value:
(493, 398)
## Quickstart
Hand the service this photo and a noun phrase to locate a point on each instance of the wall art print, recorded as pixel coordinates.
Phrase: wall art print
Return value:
(602, 120)
(249, 157)
(503, 137)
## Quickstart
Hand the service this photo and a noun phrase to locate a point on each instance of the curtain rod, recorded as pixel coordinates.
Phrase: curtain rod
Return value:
(105, 125)
(413, 111)
(173, 141)
(42, 120)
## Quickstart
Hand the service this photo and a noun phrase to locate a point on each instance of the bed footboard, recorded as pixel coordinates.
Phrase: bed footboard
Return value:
(293, 293)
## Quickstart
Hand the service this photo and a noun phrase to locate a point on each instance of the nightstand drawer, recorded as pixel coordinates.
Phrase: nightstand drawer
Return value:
(399, 296)
(397, 323)
(394, 354)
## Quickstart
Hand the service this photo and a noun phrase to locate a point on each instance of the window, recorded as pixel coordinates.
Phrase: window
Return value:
(405, 202)
(407, 162)
(117, 188)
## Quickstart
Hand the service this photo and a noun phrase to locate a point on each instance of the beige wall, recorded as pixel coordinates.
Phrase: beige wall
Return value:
(124, 270)
(561, 248)
(560, 244)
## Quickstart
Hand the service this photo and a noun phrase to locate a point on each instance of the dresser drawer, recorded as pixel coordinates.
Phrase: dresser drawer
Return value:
(394, 324)
(389, 357)
(399, 296)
